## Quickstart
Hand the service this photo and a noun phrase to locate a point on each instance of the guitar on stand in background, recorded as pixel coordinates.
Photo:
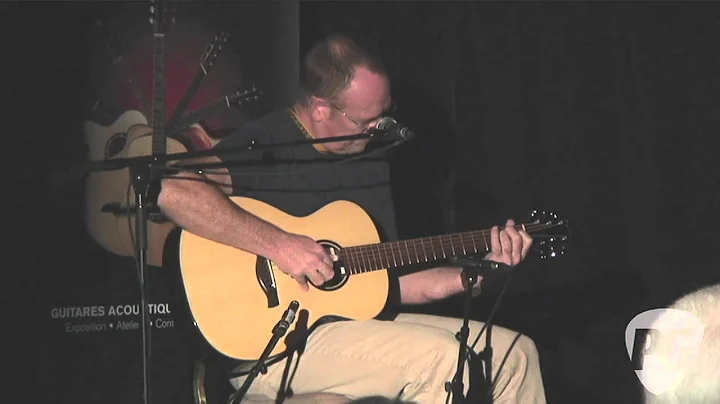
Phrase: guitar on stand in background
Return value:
(107, 208)
(105, 134)
(144, 140)
(109, 215)
(130, 137)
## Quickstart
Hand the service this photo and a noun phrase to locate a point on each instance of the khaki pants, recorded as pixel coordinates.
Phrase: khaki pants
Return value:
(410, 358)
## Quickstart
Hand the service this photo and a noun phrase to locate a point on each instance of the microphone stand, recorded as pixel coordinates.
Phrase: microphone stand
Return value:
(156, 161)
(140, 178)
(278, 332)
(145, 178)
(472, 269)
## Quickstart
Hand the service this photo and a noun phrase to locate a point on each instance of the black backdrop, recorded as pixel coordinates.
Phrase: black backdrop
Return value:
(604, 113)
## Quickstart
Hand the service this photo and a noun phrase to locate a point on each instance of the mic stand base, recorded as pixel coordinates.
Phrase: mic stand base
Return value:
(485, 394)
(472, 270)
(278, 332)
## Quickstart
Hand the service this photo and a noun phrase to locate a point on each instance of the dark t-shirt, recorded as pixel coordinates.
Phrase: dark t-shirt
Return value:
(299, 180)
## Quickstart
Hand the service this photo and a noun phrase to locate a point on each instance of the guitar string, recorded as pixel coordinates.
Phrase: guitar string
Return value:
(374, 252)
(376, 255)
(445, 238)
(435, 242)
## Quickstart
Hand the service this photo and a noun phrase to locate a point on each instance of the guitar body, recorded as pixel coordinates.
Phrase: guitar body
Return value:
(236, 298)
(229, 305)
(133, 137)
(99, 138)
(103, 187)
(140, 144)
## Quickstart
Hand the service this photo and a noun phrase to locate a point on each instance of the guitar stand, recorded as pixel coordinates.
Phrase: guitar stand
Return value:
(278, 332)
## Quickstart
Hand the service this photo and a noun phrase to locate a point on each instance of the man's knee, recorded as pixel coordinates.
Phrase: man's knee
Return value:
(440, 361)
(521, 355)
(528, 348)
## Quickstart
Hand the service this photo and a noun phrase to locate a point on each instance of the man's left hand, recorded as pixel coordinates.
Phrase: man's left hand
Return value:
(509, 245)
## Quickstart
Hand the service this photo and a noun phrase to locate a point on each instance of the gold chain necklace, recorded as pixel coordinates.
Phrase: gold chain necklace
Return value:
(305, 130)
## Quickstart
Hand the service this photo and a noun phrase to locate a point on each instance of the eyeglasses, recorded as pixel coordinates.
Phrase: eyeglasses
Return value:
(365, 127)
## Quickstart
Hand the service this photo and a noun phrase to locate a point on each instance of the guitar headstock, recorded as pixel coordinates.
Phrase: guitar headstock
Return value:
(549, 233)
(213, 50)
(239, 98)
(162, 14)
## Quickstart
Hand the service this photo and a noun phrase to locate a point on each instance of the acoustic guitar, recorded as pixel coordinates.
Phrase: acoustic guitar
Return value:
(129, 135)
(235, 298)
(109, 215)
(105, 142)
(102, 187)
(112, 188)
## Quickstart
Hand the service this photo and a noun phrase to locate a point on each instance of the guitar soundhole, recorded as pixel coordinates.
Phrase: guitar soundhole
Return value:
(341, 273)
(115, 145)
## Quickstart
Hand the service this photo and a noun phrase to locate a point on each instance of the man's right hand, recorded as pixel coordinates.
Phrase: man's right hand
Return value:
(303, 258)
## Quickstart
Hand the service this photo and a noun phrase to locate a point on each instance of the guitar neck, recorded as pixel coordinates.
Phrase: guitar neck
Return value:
(374, 257)
(199, 114)
(187, 96)
(159, 142)
(207, 59)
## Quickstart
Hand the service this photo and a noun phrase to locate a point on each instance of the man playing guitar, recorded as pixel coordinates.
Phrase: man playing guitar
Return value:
(396, 355)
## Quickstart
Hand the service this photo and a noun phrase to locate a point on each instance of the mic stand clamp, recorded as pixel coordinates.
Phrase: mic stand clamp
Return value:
(278, 332)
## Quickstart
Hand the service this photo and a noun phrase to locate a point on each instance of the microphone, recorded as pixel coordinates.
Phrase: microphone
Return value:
(287, 318)
(474, 267)
(390, 129)
(480, 263)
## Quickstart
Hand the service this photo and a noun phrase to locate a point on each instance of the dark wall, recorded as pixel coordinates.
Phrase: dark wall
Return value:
(60, 68)
(602, 113)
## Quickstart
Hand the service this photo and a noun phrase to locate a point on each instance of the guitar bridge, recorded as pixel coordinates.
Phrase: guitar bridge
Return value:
(266, 278)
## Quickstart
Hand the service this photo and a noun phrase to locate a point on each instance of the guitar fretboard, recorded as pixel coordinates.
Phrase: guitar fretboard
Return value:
(159, 143)
(374, 257)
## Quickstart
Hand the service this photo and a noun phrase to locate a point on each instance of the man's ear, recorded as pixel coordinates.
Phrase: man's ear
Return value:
(320, 109)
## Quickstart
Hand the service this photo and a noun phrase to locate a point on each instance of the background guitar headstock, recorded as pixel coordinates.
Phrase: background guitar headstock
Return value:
(213, 50)
(549, 233)
(242, 97)
(162, 14)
